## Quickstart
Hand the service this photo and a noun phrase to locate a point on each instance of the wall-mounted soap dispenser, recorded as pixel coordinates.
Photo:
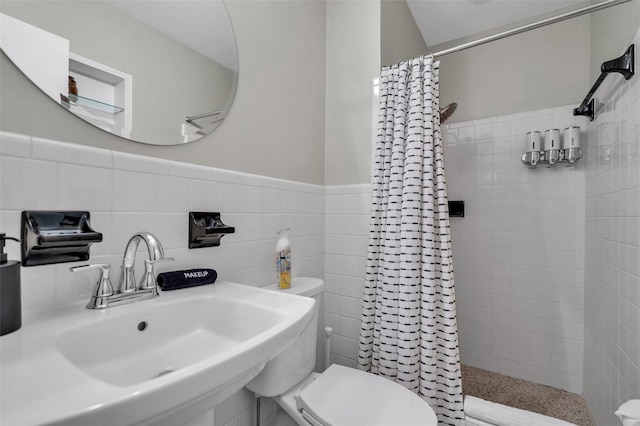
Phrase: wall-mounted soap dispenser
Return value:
(10, 301)
(552, 150)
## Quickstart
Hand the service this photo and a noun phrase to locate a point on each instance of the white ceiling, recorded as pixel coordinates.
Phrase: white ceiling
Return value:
(194, 23)
(441, 21)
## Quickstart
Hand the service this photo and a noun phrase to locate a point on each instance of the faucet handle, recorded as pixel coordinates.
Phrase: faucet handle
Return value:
(149, 281)
(103, 288)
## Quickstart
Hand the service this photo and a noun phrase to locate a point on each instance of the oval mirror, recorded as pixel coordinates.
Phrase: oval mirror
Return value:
(157, 72)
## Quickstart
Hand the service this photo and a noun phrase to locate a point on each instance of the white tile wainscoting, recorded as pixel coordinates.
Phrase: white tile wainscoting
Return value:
(126, 193)
(348, 210)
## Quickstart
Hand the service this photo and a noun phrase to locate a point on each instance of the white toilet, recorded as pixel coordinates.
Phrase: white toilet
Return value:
(629, 413)
(340, 396)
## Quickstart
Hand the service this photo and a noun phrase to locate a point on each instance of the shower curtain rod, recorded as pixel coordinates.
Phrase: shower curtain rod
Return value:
(532, 26)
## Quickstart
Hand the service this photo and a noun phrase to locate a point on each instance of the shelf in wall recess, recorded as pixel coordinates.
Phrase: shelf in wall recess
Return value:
(70, 100)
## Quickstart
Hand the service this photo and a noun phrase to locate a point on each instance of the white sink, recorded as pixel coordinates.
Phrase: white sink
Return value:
(173, 336)
(146, 361)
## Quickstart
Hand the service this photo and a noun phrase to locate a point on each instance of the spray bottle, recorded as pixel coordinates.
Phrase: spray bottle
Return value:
(283, 259)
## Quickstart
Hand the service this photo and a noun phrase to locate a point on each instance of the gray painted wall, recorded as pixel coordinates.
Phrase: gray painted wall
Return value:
(275, 126)
(353, 61)
(401, 38)
(538, 69)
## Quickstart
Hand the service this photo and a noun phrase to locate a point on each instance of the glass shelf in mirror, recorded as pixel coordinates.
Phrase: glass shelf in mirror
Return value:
(93, 104)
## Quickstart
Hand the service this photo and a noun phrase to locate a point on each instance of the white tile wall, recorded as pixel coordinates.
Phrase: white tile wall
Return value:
(127, 193)
(518, 252)
(612, 255)
(346, 239)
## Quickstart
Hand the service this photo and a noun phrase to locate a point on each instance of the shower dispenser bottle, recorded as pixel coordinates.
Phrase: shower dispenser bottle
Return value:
(283, 259)
(10, 301)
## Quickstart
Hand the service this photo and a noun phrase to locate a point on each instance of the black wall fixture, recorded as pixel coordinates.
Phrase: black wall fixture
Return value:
(624, 65)
(206, 229)
(56, 237)
(456, 208)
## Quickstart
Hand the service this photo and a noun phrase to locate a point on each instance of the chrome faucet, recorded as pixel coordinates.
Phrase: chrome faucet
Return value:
(156, 254)
(128, 291)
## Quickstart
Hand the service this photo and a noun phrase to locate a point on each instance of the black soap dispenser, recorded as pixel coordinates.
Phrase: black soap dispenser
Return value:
(10, 301)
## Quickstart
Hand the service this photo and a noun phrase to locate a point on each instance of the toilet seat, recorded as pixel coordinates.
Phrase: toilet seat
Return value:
(345, 396)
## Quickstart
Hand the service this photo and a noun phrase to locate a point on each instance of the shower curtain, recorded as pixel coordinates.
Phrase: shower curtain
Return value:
(408, 328)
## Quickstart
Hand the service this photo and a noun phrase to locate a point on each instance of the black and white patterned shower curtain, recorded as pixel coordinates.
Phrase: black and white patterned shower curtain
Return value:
(408, 329)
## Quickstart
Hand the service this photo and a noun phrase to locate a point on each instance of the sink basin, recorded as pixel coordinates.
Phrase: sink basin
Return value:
(129, 349)
(146, 361)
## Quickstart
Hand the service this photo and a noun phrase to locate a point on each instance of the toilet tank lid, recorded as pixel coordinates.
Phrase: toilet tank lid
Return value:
(301, 286)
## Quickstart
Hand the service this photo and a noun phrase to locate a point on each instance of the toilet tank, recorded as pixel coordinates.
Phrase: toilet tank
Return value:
(298, 360)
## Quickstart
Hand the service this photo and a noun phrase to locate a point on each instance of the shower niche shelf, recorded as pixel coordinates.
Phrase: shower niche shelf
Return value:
(106, 95)
(89, 103)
